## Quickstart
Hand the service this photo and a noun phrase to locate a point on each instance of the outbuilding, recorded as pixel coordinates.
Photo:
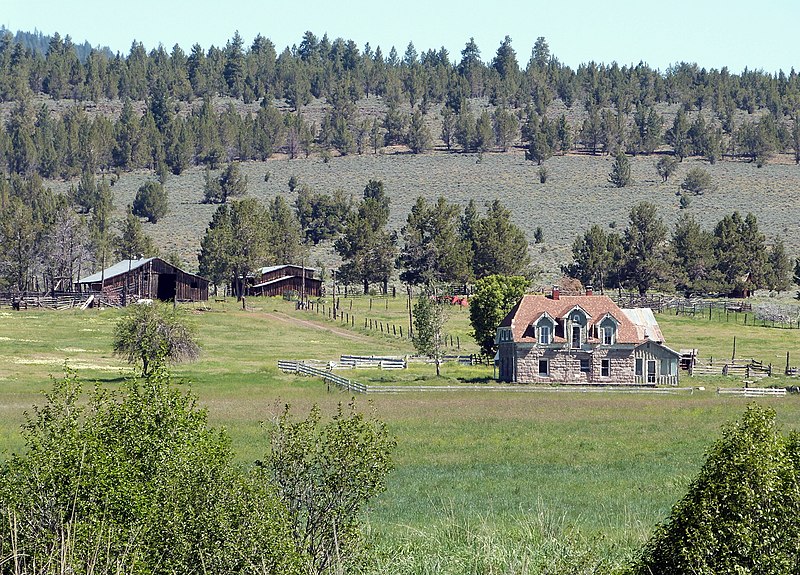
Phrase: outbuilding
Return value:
(128, 281)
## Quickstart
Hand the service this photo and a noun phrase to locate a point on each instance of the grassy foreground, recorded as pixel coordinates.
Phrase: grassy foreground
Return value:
(484, 482)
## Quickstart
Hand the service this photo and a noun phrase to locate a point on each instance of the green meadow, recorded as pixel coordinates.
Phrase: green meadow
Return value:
(483, 481)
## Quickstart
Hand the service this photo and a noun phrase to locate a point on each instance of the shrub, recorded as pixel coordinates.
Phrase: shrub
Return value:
(152, 334)
(151, 202)
(740, 514)
(135, 482)
(697, 181)
(325, 474)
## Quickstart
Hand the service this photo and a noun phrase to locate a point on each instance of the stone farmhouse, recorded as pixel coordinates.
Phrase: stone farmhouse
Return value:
(583, 339)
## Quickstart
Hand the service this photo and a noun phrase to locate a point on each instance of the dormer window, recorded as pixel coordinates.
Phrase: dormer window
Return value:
(576, 318)
(545, 336)
(607, 335)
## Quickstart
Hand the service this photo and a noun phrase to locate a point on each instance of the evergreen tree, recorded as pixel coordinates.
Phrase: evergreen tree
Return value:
(694, 257)
(484, 133)
(778, 268)
(132, 242)
(644, 241)
(366, 247)
(740, 253)
(593, 255)
(620, 174)
(666, 166)
(285, 235)
(697, 182)
(499, 246)
(419, 137)
(213, 257)
(678, 135)
(150, 202)
(432, 251)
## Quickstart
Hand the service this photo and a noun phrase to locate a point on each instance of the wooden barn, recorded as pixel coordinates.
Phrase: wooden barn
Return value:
(150, 278)
(278, 280)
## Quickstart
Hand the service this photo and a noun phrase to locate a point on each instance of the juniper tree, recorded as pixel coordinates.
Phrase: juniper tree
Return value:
(620, 174)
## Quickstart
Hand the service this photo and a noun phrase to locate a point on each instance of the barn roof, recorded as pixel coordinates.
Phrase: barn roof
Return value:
(283, 280)
(124, 266)
(269, 269)
(119, 268)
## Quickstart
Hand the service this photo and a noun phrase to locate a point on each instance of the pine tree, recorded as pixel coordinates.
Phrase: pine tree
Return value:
(150, 202)
(620, 174)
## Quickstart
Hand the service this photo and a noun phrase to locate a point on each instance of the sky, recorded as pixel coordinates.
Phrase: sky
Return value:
(713, 34)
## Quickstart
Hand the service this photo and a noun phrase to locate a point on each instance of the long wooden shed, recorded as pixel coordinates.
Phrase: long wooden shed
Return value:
(149, 278)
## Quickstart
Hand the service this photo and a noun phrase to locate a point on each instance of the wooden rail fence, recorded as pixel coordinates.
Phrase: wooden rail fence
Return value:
(344, 383)
(752, 391)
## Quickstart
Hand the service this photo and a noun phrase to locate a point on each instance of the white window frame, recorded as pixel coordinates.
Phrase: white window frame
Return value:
(572, 337)
(607, 335)
(545, 329)
(546, 362)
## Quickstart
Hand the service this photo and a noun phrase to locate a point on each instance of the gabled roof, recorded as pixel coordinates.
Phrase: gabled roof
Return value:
(645, 322)
(269, 269)
(531, 307)
(119, 268)
(124, 266)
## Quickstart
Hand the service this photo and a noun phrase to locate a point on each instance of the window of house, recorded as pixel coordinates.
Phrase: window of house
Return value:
(586, 365)
(576, 336)
(669, 367)
(544, 367)
(607, 335)
(639, 366)
(544, 334)
(605, 368)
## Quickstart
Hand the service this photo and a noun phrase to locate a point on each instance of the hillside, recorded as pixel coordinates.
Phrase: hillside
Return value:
(575, 196)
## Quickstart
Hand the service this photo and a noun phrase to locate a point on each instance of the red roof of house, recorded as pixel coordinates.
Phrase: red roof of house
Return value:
(597, 307)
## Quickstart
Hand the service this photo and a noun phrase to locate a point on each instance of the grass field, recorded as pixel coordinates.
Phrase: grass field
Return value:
(484, 482)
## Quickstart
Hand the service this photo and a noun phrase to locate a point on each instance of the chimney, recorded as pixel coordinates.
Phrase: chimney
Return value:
(556, 292)
(589, 290)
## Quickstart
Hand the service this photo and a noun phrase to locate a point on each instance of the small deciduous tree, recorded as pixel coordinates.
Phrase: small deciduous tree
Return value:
(493, 298)
(430, 317)
(325, 473)
(666, 166)
(136, 481)
(152, 334)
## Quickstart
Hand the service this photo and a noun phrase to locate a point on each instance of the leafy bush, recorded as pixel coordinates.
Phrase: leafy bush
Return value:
(325, 473)
(740, 514)
(135, 482)
(152, 333)
(697, 181)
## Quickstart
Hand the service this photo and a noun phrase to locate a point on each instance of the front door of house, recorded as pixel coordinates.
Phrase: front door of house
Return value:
(651, 371)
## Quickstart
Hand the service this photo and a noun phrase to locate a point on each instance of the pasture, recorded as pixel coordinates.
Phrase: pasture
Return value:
(483, 481)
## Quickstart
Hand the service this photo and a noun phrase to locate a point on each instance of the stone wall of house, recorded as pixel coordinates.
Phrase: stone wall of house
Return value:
(565, 366)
